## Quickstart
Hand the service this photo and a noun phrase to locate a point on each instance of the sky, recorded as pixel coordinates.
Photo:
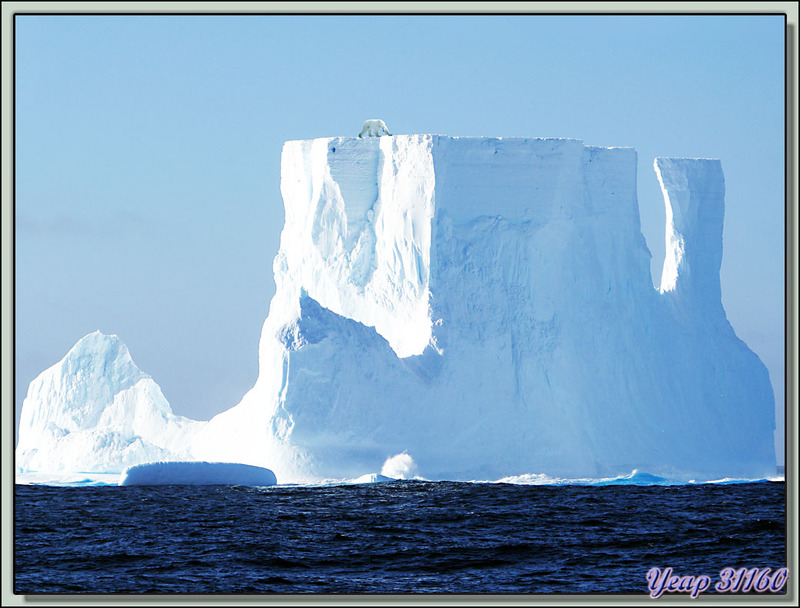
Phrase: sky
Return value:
(147, 157)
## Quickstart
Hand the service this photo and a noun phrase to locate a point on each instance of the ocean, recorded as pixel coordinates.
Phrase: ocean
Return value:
(404, 537)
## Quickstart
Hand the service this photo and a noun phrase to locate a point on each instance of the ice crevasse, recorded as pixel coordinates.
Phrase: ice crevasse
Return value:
(484, 305)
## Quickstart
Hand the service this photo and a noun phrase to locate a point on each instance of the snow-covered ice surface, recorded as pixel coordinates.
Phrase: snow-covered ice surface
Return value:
(484, 305)
(196, 474)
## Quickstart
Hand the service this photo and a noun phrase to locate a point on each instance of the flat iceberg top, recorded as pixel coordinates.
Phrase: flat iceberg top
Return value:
(469, 140)
(683, 159)
(440, 136)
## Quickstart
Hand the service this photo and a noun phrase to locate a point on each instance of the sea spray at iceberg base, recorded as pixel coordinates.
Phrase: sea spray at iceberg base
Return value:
(482, 306)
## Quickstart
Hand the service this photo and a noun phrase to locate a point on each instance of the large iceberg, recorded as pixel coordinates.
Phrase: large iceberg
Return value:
(483, 305)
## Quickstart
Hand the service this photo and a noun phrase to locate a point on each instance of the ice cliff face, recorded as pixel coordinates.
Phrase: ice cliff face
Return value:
(694, 191)
(485, 305)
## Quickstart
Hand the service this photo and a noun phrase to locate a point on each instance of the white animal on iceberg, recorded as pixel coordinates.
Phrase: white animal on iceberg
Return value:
(372, 128)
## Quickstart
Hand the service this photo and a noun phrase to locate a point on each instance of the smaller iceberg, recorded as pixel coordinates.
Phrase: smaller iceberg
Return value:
(196, 474)
(634, 478)
(371, 478)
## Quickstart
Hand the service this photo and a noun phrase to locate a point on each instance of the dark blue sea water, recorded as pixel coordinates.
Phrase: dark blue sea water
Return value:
(389, 538)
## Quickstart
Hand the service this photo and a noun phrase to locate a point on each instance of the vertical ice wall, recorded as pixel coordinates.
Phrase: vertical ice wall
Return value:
(358, 231)
(486, 305)
(694, 195)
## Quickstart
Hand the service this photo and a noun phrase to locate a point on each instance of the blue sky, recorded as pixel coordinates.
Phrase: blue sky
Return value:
(148, 156)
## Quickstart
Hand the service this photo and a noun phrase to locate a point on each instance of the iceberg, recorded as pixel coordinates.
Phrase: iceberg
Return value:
(196, 474)
(371, 478)
(95, 411)
(484, 304)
